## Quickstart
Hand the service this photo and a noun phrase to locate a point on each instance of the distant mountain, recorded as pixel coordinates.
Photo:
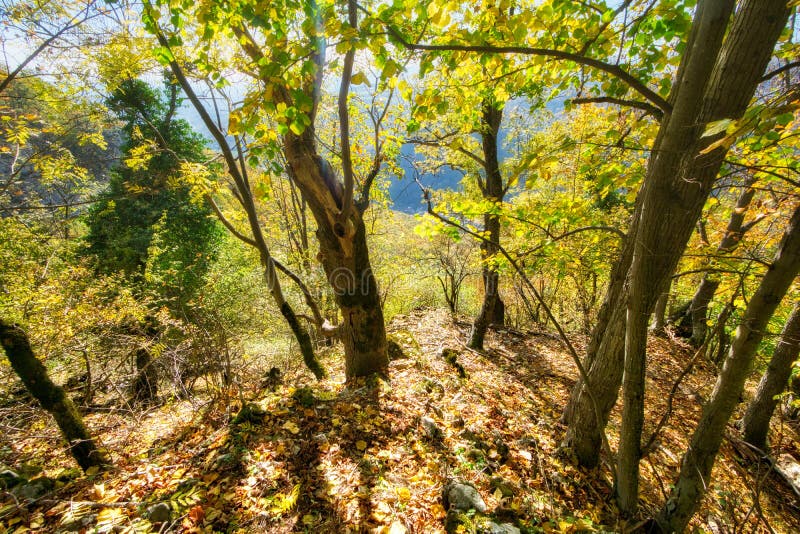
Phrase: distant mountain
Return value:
(404, 192)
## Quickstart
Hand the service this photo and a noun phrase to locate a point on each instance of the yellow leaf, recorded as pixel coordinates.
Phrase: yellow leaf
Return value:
(291, 427)
(359, 79)
(381, 512)
(403, 493)
(361, 445)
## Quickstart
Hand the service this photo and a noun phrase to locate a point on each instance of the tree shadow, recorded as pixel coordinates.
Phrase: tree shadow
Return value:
(307, 464)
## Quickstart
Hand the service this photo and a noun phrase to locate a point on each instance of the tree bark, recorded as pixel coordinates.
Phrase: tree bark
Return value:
(238, 172)
(52, 397)
(699, 458)
(710, 86)
(755, 424)
(604, 359)
(344, 256)
(492, 308)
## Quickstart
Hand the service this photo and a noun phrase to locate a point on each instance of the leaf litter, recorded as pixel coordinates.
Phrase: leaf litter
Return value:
(356, 458)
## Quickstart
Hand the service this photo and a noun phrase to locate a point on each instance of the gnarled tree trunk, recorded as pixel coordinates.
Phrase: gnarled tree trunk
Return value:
(52, 397)
(755, 424)
(698, 461)
(344, 256)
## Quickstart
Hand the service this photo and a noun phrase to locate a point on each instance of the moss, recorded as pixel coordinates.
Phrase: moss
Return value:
(451, 357)
(304, 397)
(52, 397)
(306, 348)
(250, 413)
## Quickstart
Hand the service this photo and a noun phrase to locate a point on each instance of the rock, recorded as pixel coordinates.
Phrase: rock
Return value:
(789, 469)
(79, 524)
(431, 429)
(35, 489)
(498, 528)
(9, 479)
(159, 513)
(505, 487)
(462, 496)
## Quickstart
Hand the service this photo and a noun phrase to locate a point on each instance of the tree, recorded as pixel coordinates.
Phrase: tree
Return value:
(696, 313)
(292, 101)
(483, 164)
(52, 397)
(145, 224)
(699, 458)
(755, 423)
(708, 88)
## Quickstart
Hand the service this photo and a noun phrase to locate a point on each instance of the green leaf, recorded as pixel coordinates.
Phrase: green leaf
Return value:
(163, 55)
(716, 127)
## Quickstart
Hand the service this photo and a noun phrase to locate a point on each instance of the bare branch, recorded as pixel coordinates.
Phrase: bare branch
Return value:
(344, 119)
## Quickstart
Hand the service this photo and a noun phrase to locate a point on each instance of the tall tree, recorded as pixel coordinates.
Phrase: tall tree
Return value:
(493, 190)
(755, 424)
(285, 49)
(145, 223)
(699, 458)
(716, 80)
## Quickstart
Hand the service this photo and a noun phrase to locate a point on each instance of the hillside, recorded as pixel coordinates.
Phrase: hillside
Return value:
(308, 456)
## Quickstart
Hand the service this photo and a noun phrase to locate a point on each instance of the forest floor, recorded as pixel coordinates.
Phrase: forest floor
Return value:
(318, 457)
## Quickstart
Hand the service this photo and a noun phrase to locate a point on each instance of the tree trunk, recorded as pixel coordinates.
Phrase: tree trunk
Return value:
(699, 458)
(239, 175)
(657, 327)
(678, 181)
(492, 309)
(755, 424)
(344, 256)
(698, 309)
(711, 86)
(584, 431)
(52, 397)
(145, 385)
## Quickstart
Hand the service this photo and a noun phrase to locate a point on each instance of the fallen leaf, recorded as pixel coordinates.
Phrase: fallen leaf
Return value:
(291, 427)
